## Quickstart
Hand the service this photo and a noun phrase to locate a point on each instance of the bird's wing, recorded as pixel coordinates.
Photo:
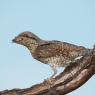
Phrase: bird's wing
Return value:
(56, 48)
(49, 49)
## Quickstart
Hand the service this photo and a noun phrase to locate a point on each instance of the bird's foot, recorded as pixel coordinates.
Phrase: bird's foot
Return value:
(50, 81)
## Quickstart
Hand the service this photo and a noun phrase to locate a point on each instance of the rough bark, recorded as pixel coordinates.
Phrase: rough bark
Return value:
(70, 79)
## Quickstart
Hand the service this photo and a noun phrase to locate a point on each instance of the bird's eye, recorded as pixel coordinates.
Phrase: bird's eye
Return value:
(20, 39)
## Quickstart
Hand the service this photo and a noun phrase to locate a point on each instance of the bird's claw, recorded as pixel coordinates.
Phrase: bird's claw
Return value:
(50, 81)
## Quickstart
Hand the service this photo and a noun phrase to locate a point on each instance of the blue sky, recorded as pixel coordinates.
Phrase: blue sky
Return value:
(71, 21)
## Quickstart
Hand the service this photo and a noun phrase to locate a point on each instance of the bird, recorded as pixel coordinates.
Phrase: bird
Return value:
(51, 52)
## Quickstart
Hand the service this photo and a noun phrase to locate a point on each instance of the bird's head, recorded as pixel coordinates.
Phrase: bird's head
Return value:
(26, 38)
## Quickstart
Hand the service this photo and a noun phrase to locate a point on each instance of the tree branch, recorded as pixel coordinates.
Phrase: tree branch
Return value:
(70, 79)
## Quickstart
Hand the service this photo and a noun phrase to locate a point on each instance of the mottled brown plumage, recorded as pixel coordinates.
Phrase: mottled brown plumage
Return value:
(54, 53)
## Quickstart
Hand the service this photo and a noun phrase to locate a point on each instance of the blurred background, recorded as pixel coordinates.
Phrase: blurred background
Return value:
(71, 21)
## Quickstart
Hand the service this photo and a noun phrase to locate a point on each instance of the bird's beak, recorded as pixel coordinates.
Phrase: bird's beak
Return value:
(14, 40)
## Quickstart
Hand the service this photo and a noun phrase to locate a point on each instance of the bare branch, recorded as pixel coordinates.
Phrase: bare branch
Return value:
(73, 77)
